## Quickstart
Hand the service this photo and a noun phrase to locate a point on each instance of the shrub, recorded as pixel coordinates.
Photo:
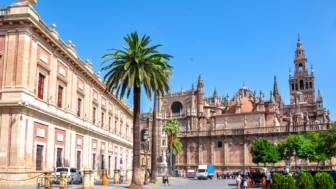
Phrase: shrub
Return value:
(324, 180)
(305, 181)
(281, 181)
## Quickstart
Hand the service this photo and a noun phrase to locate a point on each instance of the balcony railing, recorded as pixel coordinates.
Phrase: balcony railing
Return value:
(256, 130)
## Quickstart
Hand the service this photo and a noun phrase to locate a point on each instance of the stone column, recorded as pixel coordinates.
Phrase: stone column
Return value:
(87, 179)
(187, 154)
(212, 157)
(200, 158)
(16, 129)
(224, 150)
(245, 152)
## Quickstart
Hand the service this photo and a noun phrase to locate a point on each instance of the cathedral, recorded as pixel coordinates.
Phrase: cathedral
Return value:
(220, 130)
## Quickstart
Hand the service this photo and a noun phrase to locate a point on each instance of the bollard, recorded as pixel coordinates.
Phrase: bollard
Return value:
(47, 180)
(116, 179)
(104, 178)
(87, 179)
(63, 180)
(128, 176)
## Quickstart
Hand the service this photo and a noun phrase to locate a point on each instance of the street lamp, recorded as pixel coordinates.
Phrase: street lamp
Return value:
(145, 139)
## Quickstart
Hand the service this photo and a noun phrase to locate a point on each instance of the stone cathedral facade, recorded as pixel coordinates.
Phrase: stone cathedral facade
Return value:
(220, 130)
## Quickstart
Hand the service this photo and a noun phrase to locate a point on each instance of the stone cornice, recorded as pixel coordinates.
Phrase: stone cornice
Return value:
(42, 30)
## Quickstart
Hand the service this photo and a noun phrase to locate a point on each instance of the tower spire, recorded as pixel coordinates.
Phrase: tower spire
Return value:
(200, 82)
(299, 52)
(275, 86)
(215, 93)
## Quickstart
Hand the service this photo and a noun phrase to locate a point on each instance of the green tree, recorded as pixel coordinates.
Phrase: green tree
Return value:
(172, 129)
(264, 152)
(295, 146)
(323, 180)
(317, 140)
(128, 70)
(328, 144)
(305, 181)
(282, 181)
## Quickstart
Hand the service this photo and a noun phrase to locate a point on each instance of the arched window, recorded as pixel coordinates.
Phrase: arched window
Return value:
(301, 85)
(176, 107)
(300, 68)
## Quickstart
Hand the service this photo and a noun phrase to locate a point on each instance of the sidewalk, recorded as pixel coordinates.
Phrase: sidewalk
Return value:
(97, 185)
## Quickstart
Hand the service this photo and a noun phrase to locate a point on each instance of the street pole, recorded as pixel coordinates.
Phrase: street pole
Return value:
(154, 138)
(146, 150)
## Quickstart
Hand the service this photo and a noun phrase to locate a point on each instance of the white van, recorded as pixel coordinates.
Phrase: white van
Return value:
(202, 172)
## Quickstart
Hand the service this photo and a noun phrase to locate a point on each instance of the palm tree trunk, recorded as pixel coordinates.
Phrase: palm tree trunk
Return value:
(154, 138)
(171, 160)
(136, 138)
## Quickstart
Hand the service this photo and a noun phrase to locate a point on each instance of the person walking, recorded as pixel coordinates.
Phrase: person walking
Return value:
(238, 181)
(268, 179)
(245, 182)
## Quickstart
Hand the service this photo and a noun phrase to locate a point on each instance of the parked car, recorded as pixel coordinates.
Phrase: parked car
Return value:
(202, 172)
(191, 173)
(73, 175)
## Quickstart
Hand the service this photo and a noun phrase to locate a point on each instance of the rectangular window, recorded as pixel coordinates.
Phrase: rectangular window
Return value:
(164, 143)
(109, 165)
(120, 127)
(94, 115)
(115, 163)
(115, 126)
(293, 87)
(102, 162)
(79, 157)
(93, 161)
(39, 157)
(60, 96)
(59, 159)
(79, 106)
(109, 123)
(102, 119)
(40, 86)
(219, 144)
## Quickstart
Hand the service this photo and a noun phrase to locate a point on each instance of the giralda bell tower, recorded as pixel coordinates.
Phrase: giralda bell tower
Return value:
(301, 84)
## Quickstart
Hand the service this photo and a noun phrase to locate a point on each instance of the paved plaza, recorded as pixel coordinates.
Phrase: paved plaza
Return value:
(175, 183)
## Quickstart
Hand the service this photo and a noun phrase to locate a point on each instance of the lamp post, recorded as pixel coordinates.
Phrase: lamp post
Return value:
(146, 150)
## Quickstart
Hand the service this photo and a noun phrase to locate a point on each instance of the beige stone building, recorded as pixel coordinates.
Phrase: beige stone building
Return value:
(219, 130)
(54, 110)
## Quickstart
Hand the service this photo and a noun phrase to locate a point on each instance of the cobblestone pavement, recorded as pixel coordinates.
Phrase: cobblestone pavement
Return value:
(175, 183)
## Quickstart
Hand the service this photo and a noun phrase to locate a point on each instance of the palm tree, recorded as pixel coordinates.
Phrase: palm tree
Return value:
(154, 138)
(130, 69)
(172, 129)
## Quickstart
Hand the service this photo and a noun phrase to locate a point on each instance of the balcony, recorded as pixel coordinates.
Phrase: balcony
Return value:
(256, 131)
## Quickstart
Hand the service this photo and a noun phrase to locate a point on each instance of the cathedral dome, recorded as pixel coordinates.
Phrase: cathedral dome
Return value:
(246, 105)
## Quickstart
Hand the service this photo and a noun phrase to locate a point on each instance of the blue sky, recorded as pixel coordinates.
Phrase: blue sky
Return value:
(228, 42)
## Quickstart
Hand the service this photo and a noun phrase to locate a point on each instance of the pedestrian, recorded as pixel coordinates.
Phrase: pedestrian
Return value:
(268, 179)
(245, 183)
(238, 181)
(165, 180)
